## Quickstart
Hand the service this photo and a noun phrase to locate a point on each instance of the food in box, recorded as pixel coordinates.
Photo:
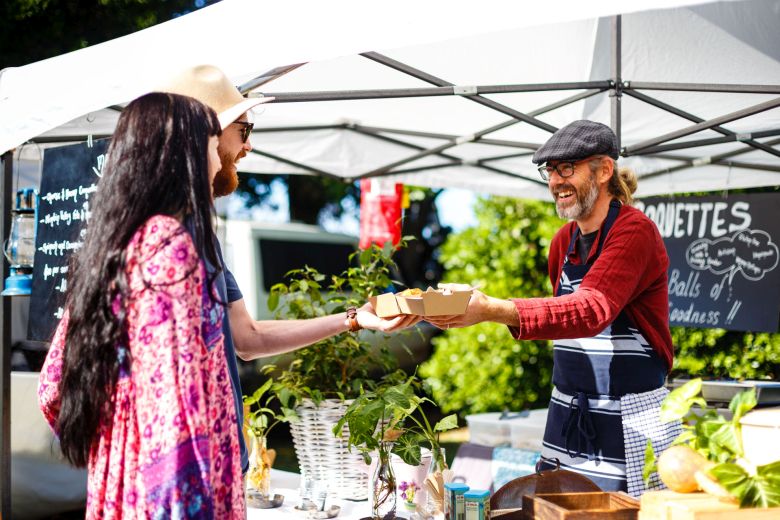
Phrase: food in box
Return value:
(432, 302)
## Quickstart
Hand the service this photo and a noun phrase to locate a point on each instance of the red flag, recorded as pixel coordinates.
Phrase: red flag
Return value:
(380, 212)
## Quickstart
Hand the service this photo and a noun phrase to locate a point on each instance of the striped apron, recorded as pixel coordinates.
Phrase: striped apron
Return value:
(606, 397)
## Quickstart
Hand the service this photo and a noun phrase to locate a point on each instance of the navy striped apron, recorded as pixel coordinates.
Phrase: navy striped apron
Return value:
(606, 396)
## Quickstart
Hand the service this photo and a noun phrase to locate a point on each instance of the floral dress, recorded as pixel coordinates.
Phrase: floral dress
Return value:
(170, 449)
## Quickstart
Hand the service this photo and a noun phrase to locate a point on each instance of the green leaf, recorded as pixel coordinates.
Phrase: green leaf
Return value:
(273, 300)
(733, 478)
(284, 396)
(761, 492)
(679, 401)
(650, 466)
(448, 423)
(407, 446)
(727, 436)
(742, 403)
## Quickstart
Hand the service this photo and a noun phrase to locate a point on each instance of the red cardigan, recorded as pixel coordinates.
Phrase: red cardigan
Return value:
(630, 274)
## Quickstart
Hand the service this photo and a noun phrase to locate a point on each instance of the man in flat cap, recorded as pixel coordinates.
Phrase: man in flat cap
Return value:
(608, 319)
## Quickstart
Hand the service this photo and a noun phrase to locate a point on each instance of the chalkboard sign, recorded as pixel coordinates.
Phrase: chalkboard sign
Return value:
(69, 178)
(723, 254)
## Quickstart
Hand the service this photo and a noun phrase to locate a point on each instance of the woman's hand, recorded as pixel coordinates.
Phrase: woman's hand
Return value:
(368, 319)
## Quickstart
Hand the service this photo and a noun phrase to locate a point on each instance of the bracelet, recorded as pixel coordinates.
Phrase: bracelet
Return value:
(352, 321)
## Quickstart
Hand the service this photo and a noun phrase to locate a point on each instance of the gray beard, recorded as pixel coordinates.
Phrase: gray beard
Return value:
(584, 203)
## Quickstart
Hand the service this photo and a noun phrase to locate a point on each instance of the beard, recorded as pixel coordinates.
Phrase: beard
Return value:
(584, 199)
(226, 179)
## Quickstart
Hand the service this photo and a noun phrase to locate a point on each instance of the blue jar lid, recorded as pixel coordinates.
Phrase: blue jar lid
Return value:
(476, 494)
(456, 487)
(18, 285)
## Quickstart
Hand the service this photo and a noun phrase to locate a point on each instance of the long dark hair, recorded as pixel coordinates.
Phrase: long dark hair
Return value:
(157, 164)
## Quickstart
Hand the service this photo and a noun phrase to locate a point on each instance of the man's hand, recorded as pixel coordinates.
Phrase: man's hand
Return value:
(477, 311)
(368, 319)
(481, 308)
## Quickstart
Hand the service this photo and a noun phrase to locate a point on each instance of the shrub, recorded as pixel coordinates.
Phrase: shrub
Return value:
(718, 353)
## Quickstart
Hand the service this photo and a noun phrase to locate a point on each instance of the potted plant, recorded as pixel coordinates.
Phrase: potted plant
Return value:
(389, 419)
(260, 420)
(321, 379)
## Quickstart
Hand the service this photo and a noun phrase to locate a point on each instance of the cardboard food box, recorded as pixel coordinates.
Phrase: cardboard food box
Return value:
(432, 302)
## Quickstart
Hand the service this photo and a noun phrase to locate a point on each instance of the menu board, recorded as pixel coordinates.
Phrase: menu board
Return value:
(68, 181)
(723, 254)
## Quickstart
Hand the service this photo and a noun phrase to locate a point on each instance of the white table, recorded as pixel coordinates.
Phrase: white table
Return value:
(287, 483)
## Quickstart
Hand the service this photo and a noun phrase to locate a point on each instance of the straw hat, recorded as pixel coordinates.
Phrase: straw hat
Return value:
(210, 85)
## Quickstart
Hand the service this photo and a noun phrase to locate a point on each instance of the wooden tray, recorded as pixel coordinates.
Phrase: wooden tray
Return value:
(668, 505)
(580, 506)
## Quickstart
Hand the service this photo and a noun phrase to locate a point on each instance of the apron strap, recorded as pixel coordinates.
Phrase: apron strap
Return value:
(580, 424)
(614, 209)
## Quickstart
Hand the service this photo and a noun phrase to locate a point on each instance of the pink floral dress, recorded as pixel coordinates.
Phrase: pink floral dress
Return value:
(170, 450)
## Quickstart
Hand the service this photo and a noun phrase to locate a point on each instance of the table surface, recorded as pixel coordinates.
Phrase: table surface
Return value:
(287, 484)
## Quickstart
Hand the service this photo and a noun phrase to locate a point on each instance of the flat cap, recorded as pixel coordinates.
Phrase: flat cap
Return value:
(578, 140)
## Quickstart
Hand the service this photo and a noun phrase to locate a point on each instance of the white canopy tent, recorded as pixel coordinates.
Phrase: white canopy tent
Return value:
(456, 94)
(463, 95)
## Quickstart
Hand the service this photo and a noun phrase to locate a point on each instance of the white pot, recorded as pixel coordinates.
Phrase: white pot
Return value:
(761, 435)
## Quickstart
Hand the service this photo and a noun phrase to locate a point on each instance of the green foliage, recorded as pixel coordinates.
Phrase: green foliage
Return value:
(260, 417)
(720, 441)
(718, 353)
(392, 411)
(32, 30)
(339, 366)
(507, 253)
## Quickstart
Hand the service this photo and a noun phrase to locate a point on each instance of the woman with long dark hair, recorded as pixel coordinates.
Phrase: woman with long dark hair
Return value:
(135, 383)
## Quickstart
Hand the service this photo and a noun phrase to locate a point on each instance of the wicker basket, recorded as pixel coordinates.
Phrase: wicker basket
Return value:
(325, 456)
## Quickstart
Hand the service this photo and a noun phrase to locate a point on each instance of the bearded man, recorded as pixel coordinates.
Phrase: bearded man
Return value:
(609, 318)
(244, 336)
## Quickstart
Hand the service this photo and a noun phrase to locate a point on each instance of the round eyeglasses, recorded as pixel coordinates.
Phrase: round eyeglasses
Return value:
(245, 130)
(564, 168)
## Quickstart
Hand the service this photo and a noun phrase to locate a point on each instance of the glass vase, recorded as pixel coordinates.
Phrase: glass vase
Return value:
(383, 493)
(258, 477)
(434, 482)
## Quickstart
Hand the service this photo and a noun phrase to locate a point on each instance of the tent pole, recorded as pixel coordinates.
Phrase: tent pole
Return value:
(748, 139)
(267, 77)
(432, 135)
(456, 160)
(471, 95)
(436, 150)
(720, 159)
(707, 142)
(448, 89)
(705, 125)
(5, 356)
(302, 166)
(616, 81)
(703, 87)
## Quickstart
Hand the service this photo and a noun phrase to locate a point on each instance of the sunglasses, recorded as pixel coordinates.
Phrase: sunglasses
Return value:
(246, 129)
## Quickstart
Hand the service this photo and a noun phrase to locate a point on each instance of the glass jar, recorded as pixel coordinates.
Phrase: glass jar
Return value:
(383, 493)
(435, 479)
(258, 477)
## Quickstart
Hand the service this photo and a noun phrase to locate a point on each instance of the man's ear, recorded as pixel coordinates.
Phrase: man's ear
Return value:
(606, 170)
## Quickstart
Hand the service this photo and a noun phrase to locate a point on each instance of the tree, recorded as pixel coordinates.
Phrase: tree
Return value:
(507, 253)
(33, 30)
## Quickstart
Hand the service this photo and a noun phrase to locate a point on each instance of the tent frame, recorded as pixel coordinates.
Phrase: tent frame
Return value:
(616, 87)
